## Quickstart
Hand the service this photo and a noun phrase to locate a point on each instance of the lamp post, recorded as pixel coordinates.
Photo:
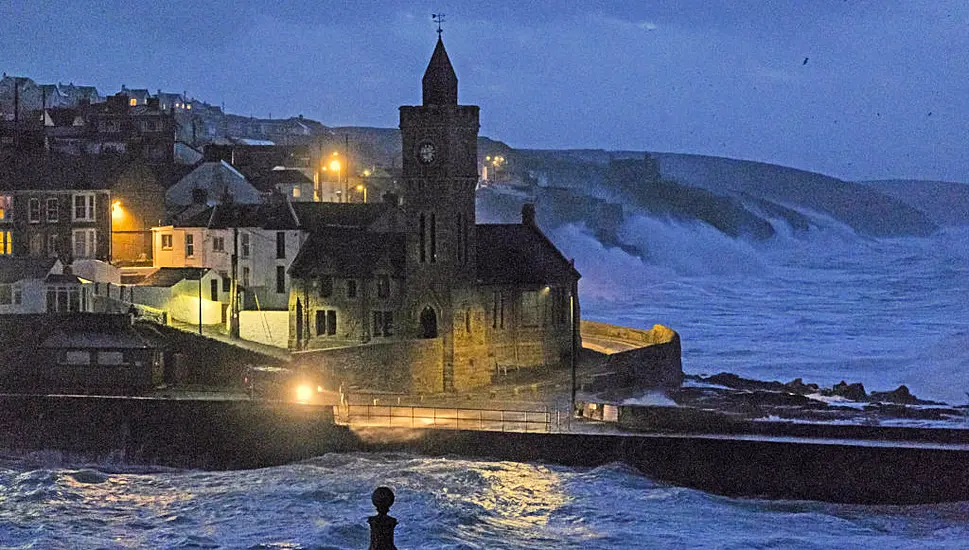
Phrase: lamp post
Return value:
(363, 189)
(335, 166)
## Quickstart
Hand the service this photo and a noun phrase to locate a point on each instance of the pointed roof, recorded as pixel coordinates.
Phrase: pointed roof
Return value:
(440, 82)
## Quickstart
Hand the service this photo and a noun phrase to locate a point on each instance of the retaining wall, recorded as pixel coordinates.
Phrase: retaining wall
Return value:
(655, 362)
(407, 366)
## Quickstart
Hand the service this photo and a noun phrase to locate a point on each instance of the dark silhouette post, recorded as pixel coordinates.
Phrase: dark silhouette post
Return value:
(382, 525)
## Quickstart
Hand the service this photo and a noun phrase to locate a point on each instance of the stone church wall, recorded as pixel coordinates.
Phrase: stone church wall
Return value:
(407, 366)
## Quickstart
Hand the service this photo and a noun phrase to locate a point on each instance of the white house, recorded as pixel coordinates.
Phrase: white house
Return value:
(41, 285)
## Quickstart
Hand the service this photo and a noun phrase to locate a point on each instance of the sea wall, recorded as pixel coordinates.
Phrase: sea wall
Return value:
(407, 366)
(653, 362)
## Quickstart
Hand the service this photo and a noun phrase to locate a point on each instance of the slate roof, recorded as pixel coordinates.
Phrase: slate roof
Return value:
(314, 216)
(275, 214)
(440, 84)
(62, 279)
(171, 276)
(349, 252)
(519, 254)
(54, 171)
(13, 269)
(267, 181)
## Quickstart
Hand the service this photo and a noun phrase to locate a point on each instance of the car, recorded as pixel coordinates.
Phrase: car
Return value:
(292, 385)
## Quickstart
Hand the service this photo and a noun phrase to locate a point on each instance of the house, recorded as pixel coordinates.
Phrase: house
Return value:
(423, 289)
(78, 352)
(185, 294)
(290, 182)
(211, 183)
(41, 285)
(55, 206)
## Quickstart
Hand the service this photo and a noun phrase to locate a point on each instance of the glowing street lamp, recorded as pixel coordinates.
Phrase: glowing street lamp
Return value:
(116, 211)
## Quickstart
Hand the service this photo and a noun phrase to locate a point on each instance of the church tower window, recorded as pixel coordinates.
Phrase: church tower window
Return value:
(433, 238)
(423, 245)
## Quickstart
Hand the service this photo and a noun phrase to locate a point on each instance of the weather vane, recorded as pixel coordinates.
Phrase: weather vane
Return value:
(438, 18)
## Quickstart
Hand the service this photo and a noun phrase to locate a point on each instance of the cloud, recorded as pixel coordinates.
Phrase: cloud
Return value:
(647, 25)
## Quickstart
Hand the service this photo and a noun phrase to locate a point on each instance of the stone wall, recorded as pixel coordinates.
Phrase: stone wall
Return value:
(265, 327)
(656, 363)
(407, 366)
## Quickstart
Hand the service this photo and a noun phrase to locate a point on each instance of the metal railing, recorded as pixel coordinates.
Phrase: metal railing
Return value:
(389, 416)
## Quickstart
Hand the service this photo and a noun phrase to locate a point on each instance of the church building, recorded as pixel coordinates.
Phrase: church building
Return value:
(418, 267)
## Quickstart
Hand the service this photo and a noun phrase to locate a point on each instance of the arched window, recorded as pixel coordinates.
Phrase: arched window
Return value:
(428, 323)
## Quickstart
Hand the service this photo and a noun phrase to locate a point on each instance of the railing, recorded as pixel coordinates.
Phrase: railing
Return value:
(388, 416)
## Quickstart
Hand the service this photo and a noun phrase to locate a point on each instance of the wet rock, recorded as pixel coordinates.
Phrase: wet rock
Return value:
(731, 380)
(901, 395)
(851, 392)
(799, 387)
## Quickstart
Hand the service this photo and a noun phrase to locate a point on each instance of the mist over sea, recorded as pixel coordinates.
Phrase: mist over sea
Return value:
(824, 305)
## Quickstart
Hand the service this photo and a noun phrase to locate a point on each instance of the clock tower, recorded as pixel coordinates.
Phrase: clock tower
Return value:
(440, 172)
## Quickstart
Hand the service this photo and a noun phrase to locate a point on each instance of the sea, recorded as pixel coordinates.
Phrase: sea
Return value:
(823, 305)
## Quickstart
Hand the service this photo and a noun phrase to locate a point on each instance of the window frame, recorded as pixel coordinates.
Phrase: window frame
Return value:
(56, 210)
(33, 210)
(87, 207)
(171, 241)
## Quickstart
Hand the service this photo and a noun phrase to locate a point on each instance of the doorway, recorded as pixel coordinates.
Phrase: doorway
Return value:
(428, 323)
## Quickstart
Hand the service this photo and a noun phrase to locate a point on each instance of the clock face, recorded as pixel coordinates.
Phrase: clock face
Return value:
(426, 153)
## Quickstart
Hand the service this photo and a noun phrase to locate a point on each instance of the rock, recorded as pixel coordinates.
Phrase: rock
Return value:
(731, 380)
(899, 395)
(852, 392)
(799, 387)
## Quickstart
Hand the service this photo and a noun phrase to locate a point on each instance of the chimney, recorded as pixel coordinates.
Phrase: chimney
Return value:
(528, 214)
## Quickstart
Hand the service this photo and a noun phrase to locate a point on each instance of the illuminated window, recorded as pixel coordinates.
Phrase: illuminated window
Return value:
(133, 101)
(166, 241)
(296, 192)
(5, 245)
(6, 207)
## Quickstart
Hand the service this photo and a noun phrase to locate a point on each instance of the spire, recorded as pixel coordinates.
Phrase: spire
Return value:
(440, 82)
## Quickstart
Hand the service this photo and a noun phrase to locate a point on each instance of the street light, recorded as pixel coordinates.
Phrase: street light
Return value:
(336, 167)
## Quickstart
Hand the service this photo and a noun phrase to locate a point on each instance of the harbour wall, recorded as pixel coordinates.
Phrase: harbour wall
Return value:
(235, 434)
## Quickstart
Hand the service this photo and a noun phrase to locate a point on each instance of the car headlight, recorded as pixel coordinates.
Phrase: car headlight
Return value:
(304, 393)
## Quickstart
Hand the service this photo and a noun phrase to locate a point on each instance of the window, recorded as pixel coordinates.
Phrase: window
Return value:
(133, 101)
(52, 210)
(189, 245)
(110, 358)
(226, 284)
(61, 299)
(325, 322)
(214, 290)
(52, 246)
(33, 211)
(326, 286)
(166, 241)
(36, 245)
(245, 276)
(280, 279)
(383, 323)
(296, 192)
(383, 286)
(6, 295)
(280, 244)
(77, 358)
(245, 245)
(6, 208)
(351, 288)
(85, 243)
(433, 238)
(467, 321)
(530, 308)
(218, 244)
(422, 231)
(5, 244)
(84, 207)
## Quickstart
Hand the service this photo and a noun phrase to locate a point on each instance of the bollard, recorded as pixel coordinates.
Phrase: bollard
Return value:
(382, 525)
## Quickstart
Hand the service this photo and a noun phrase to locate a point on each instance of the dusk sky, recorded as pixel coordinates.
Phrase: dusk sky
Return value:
(853, 89)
